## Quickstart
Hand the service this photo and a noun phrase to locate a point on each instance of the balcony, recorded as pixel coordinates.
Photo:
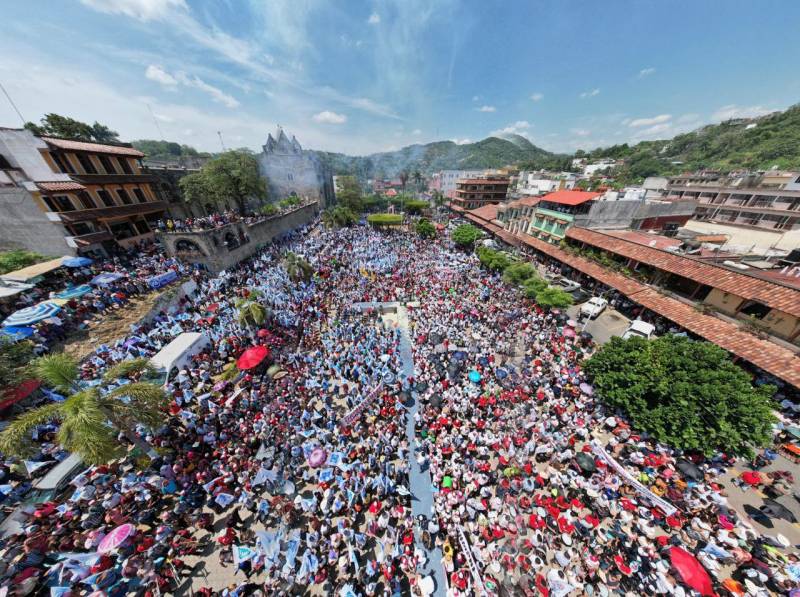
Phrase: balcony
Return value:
(109, 213)
(84, 240)
(114, 178)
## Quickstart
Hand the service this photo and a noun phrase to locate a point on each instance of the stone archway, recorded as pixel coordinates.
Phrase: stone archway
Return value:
(183, 245)
(231, 241)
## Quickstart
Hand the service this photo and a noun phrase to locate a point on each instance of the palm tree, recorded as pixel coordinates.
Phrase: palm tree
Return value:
(403, 179)
(91, 421)
(251, 312)
(417, 176)
(297, 267)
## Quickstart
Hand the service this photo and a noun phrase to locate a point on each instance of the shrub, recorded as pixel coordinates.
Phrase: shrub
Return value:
(466, 235)
(518, 272)
(415, 206)
(380, 220)
(269, 209)
(425, 229)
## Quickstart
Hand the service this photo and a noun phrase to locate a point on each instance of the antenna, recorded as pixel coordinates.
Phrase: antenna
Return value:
(13, 105)
(155, 121)
(221, 142)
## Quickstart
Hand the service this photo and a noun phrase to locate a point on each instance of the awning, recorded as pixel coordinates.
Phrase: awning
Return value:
(36, 270)
(11, 288)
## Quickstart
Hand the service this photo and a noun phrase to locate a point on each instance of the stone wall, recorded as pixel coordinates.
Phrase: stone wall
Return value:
(226, 246)
(23, 225)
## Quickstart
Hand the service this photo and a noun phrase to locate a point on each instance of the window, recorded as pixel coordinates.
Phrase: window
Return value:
(126, 167)
(85, 200)
(141, 226)
(63, 163)
(86, 163)
(80, 229)
(122, 230)
(108, 166)
(105, 197)
(124, 197)
(139, 195)
(59, 203)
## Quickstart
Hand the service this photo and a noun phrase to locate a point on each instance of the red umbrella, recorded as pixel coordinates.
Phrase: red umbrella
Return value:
(263, 333)
(691, 571)
(212, 308)
(751, 477)
(252, 357)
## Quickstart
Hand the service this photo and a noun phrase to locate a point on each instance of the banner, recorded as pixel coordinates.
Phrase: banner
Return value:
(160, 280)
(667, 508)
(359, 408)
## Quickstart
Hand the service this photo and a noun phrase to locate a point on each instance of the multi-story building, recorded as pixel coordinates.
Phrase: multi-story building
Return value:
(445, 180)
(515, 216)
(61, 196)
(556, 212)
(476, 192)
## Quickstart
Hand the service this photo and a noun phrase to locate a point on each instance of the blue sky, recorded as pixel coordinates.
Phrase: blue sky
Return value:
(362, 76)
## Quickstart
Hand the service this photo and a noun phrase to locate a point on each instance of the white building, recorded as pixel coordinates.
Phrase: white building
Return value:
(445, 180)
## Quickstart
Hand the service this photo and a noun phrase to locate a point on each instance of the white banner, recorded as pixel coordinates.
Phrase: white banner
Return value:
(359, 408)
(668, 508)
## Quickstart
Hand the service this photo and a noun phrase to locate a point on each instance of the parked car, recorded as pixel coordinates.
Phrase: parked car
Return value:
(566, 285)
(639, 328)
(593, 307)
(580, 295)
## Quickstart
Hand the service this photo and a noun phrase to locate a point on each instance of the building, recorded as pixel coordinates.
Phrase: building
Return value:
(475, 192)
(62, 196)
(445, 180)
(556, 212)
(291, 170)
(515, 216)
(166, 187)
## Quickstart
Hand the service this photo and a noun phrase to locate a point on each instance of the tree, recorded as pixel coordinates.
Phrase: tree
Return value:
(381, 220)
(685, 393)
(234, 177)
(403, 179)
(55, 125)
(90, 420)
(416, 206)
(298, 268)
(14, 357)
(418, 178)
(18, 258)
(517, 273)
(465, 235)
(348, 193)
(250, 312)
(533, 286)
(497, 261)
(196, 188)
(338, 216)
(425, 229)
(553, 298)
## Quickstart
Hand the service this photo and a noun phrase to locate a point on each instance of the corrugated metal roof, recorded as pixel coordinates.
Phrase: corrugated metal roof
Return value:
(92, 147)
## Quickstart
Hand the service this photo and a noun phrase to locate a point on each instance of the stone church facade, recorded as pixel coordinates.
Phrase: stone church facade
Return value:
(292, 170)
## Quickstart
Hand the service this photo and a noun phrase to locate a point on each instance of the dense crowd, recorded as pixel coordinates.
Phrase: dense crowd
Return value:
(298, 473)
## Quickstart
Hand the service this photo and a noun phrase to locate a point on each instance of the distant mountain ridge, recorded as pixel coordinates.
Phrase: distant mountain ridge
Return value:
(492, 152)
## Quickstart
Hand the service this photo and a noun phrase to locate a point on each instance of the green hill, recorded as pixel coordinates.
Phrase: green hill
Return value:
(743, 143)
(492, 152)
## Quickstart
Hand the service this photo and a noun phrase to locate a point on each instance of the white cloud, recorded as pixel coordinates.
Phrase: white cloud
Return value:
(159, 75)
(580, 132)
(163, 117)
(733, 111)
(461, 141)
(328, 117)
(520, 127)
(416, 132)
(374, 18)
(661, 118)
(537, 97)
(591, 93)
(143, 10)
(487, 109)
(646, 72)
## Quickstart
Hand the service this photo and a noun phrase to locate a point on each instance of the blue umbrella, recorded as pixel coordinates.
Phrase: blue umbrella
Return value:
(69, 293)
(474, 376)
(76, 261)
(501, 373)
(105, 278)
(459, 355)
(32, 314)
(17, 333)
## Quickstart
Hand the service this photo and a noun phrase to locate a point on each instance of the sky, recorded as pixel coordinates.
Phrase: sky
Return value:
(360, 76)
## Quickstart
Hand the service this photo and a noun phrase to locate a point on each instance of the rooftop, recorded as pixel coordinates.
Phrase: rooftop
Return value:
(570, 197)
(86, 146)
(482, 181)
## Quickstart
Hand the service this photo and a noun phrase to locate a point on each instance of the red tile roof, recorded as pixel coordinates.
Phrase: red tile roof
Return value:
(487, 212)
(60, 186)
(748, 287)
(570, 197)
(770, 357)
(642, 238)
(92, 147)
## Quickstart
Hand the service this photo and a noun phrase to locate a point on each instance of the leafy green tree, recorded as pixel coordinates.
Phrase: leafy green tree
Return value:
(416, 206)
(196, 188)
(14, 357)
(533, 286)
(90, 421)
(250, 313)
(465, 235)
(55, 125)
(553, 298)
(234, 177)
(298, 268)
(418, 178)
(497, 261)
(687, 394)
(18, 258)
(268, 209)
(348, 193)
(338, 216)
(425, 229)
(517, 273)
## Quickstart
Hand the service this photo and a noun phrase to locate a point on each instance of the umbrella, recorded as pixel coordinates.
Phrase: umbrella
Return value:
(105, 278)
(317, 457)
(587, 389)
(69, 293)
(691, 571)
(775, 509)
(586, 462)
(474, 376)
(571, 323)
(262, 333)
(116, 538)
(17, 333)
(252, 357)
(501, 373)
(76, 261)
(447, 482)
(794, 431)
(30, 315)
(751, 477)
(689, 470)
(568, 333)
(213, 307)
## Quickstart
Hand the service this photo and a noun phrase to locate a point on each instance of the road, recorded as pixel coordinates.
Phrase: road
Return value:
(609, 323)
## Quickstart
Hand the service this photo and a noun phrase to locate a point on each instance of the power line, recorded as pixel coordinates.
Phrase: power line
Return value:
(155, 121)
(13, 105)
(221, 142)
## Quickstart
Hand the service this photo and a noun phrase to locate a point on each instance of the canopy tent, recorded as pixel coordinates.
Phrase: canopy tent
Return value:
(17, 333)
(74, 292)
(11, 288)
(33, 314)
(76, 261)
(34, 271)
(105, 278)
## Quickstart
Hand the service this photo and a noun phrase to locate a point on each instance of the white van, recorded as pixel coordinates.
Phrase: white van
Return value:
(176, 355)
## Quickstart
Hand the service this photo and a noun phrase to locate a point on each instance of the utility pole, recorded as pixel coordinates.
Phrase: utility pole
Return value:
(13, 105)
(155, 121)
(221, 142)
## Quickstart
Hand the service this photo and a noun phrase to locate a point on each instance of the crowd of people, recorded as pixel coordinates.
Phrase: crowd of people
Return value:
(297, 474)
